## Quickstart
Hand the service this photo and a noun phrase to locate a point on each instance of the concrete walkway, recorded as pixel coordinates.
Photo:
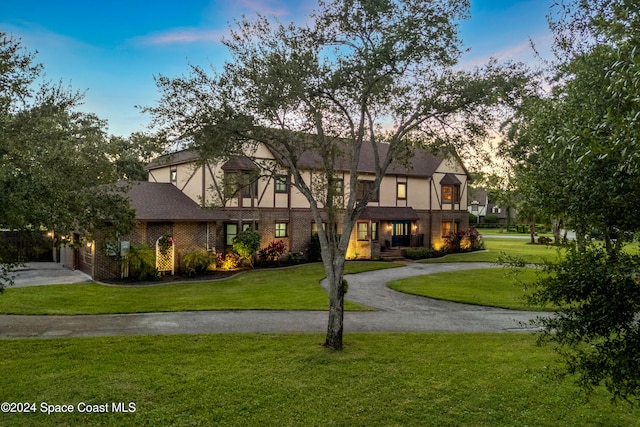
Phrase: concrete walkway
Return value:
(396, 312)
(46, 273)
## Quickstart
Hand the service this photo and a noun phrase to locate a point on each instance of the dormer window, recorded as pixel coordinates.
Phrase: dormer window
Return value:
(450, 189)
(241, 176)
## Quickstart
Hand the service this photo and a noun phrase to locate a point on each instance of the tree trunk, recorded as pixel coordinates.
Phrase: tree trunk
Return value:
(532, 230)
(335, 272)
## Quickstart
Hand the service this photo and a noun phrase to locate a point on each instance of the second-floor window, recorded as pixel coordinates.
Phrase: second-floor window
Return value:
(282, 184)
(401, 190)
(173, 174)
(365, 187)
(451, 194)
(245, 183)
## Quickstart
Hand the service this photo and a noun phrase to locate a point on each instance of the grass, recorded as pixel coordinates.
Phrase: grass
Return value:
(285, 380)
(294, 288)
(532, 254)
(489, 287)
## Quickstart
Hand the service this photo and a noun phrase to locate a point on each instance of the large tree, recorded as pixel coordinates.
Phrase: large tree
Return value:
(56, 168)
(577, 153)
(357, 72)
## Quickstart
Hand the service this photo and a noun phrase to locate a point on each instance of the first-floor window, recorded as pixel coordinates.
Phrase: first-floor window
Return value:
(363, 231)
(446, 228)
(281, 229)
(374, 231)
(231, 231)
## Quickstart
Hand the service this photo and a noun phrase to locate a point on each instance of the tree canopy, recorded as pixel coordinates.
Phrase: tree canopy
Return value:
(357, 72)
(57, 165)
(576, 153)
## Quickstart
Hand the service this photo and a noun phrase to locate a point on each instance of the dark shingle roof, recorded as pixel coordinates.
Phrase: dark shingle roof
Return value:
(179, 157)
(450, 179)
(388, 213)
(155, 202)
(422, 163)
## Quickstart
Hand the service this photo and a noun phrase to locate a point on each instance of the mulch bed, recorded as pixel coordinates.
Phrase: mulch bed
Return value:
(168, 279)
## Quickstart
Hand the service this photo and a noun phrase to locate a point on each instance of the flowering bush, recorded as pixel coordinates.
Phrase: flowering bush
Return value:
(273, 251)
(165, 243)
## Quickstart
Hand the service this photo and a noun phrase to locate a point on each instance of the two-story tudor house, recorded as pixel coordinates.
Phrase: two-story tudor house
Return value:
(417, 203)
(190, 200)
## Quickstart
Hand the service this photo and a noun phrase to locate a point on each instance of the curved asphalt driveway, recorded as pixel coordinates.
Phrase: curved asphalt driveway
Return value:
(396, 312)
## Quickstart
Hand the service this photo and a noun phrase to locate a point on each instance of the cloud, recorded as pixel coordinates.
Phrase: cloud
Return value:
(267, 8)
(522, 51)
(181, 36)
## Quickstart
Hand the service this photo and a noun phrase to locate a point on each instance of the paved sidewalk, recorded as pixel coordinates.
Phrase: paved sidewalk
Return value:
(397, 312)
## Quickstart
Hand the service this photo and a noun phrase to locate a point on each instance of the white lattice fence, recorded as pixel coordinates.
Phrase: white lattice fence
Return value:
(165, 259)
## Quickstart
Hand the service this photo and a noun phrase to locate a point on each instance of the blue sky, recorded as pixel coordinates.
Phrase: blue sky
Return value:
(113, 49)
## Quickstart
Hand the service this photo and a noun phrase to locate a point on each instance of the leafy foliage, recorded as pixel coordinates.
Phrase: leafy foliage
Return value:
(273, 251)
(246, 244)
(463, 240)
(357, 72)
(56, 167)
(142, 262)
(578, 162)
(598, 329)
(197, 261)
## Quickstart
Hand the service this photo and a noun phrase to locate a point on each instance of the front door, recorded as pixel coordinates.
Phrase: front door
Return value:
(401, 234)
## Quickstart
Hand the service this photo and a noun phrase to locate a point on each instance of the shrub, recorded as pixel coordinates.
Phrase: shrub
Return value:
(295, 257)
(197, 261)
(273, 251)
(142, 262)
(491, 219)
(463, 240)
(419, 253)
(314, 252)
(246, 244)
(230, 261)
(542, 240)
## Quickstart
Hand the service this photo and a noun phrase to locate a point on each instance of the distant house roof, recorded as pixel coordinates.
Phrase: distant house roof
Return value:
(479, 195)
(160, 202)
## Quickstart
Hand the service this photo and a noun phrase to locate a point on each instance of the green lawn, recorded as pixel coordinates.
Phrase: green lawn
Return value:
(532, 254)
(490, 287)
(294, 288)
(286, 380)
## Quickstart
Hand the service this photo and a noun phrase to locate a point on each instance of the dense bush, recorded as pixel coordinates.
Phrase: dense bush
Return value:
(273, 251)
(197, 261)
(230, 261)
(142, 263)
(545, 240)
(491, 219)
(419, 253)
(246, 244)
(463, 241)
(314, 252)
